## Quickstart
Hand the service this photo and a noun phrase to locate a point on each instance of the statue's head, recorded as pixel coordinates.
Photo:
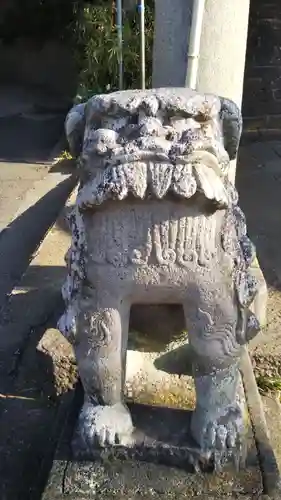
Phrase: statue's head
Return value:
(156, 141)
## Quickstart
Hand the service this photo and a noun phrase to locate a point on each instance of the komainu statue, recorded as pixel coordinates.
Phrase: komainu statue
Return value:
(157, 221)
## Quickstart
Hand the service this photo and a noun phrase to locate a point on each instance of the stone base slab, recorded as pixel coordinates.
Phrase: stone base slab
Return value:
(161, 466)
(162, 436)
(135, 480)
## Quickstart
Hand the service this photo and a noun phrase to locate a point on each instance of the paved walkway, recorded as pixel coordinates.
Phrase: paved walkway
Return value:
(31, 124)
(15, 180)
(29, 132)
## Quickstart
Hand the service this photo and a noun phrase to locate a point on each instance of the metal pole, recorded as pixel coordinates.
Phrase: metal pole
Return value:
(142, 34)
(194, 42)
(120, 41)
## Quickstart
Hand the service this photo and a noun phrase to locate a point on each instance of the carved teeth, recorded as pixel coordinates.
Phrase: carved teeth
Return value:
(184, 183)
(205, 158)
(135, 175)
(121, 183)
(209, 183)
(161, 175)
(209, 177)
(201, 173)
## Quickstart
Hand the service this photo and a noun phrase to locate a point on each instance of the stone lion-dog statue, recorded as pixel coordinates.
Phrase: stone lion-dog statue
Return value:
(157, 220)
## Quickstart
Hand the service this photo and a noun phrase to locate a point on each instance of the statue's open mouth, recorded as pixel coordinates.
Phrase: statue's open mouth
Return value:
(199, 171)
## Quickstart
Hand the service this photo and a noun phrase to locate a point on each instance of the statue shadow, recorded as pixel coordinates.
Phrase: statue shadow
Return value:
(155, 329)
(65, 166)
(179, 361)
(37, 384)
(34, 138)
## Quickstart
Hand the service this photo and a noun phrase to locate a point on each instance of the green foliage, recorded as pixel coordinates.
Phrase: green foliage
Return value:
(268, 384)
(95, 40)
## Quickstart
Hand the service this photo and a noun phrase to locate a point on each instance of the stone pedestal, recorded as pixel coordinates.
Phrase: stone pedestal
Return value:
(134, 480)
(162, 465)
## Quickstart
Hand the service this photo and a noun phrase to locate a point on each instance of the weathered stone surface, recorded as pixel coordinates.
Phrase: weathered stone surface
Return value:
(134, 480)
(150, 472)
(110, 476)
(157, 220)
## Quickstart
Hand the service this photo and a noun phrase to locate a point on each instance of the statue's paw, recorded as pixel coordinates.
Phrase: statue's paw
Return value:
(225, 432)
(104, 425)
(222, 437)
(225, 437)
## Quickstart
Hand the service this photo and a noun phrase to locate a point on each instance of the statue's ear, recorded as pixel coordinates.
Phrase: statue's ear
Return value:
(74, 128)
(231, 118)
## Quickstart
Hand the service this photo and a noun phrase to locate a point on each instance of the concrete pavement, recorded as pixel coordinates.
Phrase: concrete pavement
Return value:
(31, 192)
(31, 123)
(15, 180)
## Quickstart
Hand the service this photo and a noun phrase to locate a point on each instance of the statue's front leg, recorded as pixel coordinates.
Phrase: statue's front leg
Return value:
(100, 351)
(217, 422)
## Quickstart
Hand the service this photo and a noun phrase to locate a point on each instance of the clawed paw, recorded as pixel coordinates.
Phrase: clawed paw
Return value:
(105, 425)
(223, 437)
(225, 432)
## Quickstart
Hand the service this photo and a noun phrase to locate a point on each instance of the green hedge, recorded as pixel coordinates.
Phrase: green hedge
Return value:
(97, 51)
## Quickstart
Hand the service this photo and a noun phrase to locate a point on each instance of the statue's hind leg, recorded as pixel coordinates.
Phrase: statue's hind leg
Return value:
(100, 348)
(217, 422)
